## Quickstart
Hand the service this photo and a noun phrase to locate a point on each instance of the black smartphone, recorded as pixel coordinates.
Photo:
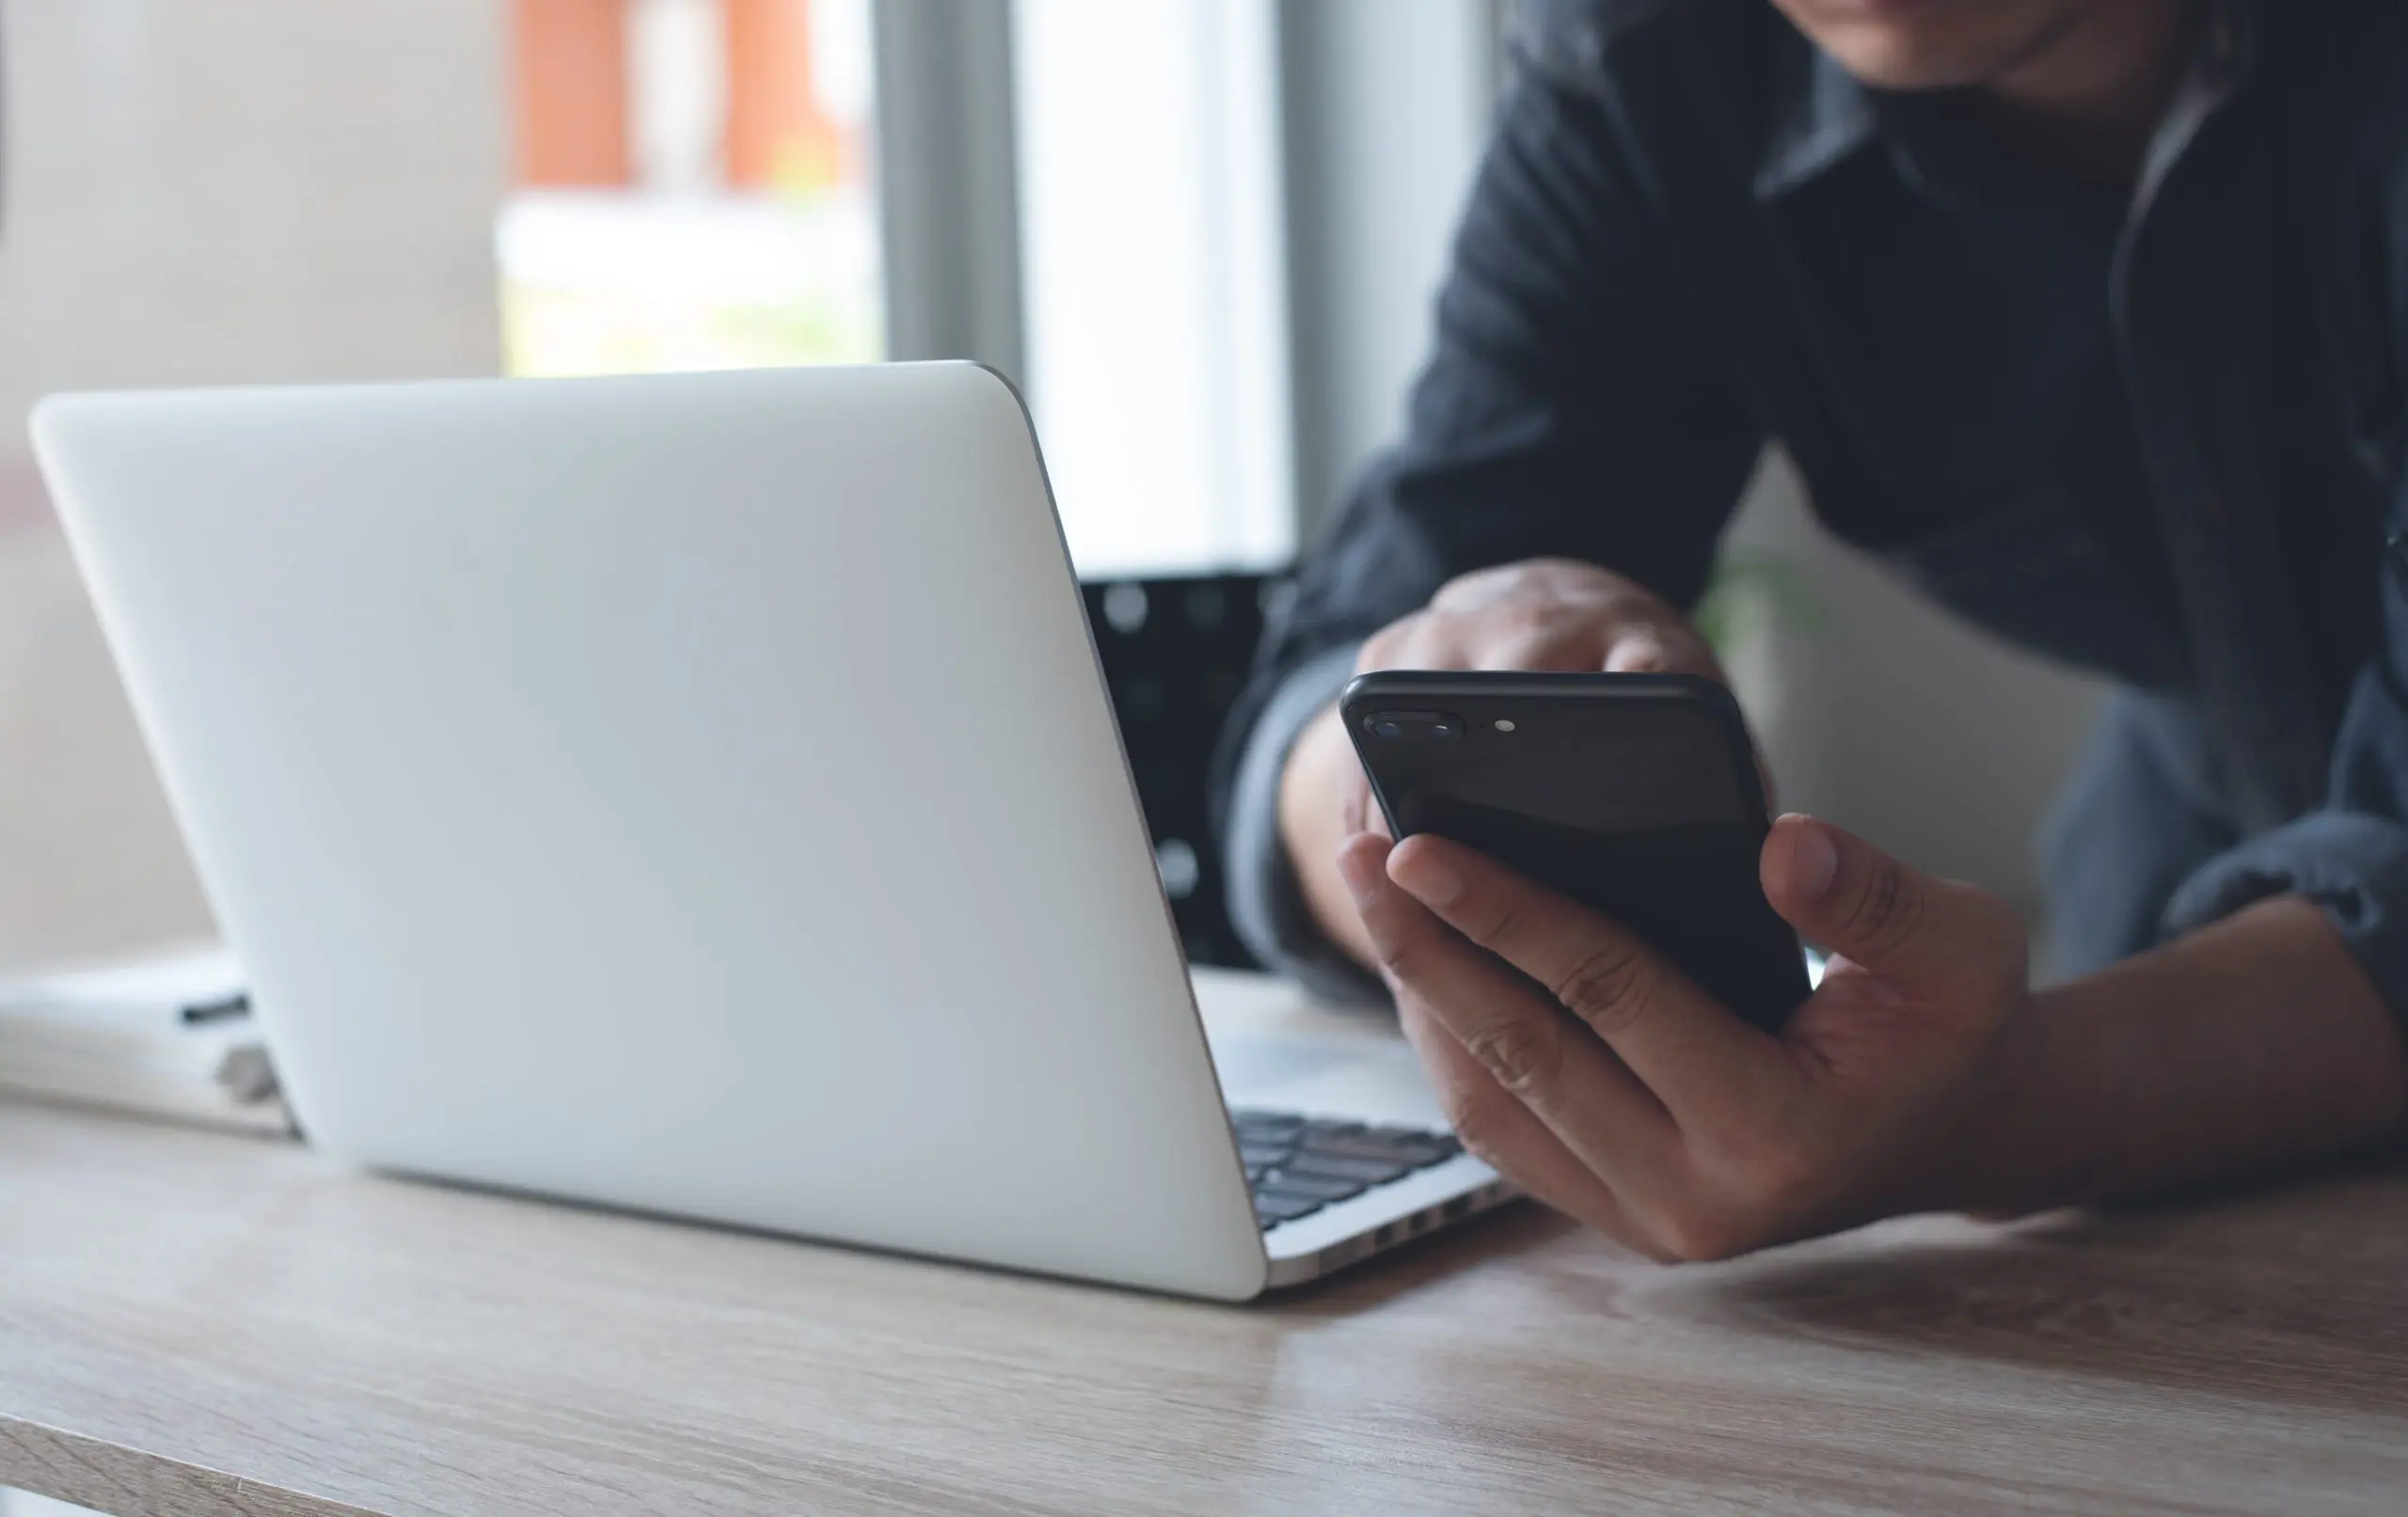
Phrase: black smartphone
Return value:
(1635, 794)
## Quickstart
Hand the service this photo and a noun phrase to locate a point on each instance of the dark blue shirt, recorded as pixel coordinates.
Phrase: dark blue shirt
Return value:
(2155, 430)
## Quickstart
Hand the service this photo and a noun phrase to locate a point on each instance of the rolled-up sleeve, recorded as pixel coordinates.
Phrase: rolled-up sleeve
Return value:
(1266, 905)
(1566, 411)
(2350, 856)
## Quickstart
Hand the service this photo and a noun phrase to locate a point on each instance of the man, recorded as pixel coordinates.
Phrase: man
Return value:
(2090, 315)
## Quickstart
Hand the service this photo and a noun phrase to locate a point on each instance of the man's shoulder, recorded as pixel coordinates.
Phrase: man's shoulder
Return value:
(2342, 76)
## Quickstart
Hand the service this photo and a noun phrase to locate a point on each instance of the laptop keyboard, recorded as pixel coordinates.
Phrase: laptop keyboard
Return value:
(1295, 1165)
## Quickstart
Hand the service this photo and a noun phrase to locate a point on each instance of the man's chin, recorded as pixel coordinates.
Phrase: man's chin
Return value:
(1887, 61)
(1933, 44)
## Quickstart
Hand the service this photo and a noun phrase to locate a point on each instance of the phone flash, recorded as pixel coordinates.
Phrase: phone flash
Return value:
(1503, 725)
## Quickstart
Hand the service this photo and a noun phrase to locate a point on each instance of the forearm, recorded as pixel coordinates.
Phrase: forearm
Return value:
(1313, 822)
(2254, 1043)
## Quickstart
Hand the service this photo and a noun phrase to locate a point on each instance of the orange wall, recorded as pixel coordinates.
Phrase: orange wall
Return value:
(572, 79)
(777, 135)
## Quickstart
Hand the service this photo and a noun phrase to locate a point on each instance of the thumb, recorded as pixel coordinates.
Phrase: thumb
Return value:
(1840, 891)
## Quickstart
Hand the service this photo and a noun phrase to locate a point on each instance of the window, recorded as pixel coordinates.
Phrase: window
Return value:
(1234, 214)
(693, 186)
(1152, 262)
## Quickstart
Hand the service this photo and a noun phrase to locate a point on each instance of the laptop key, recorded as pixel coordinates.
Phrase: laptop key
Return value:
(1376, 1145)
(1275, 1210)
(1250, 1120)
(1340, 1167)
(1321, 1128)
(1406, 1159)
(1323, 1188)
(1275, 1142)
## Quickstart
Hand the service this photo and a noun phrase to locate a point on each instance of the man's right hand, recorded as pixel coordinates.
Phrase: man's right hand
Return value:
(1541, 614)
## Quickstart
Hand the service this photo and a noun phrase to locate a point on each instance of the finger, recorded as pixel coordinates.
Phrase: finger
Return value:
(1641, 653)
(1422, 640)
(1656, 648)
(1894, 921)
(1482, 588)
(1643, 640)
(1357, 809)
(1691, 1052)
(1509, 1139)
(1553, 577)
(1571, 650)
(1543, 1059)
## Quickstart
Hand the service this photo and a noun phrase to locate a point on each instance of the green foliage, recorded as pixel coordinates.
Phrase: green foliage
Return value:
(1752, 592)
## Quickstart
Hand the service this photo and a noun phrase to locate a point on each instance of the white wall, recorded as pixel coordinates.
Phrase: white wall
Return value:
(1388, 110)
(1891, 717)
(205, 191)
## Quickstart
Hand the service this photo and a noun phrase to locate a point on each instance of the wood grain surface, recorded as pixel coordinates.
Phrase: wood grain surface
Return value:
(197, 1324)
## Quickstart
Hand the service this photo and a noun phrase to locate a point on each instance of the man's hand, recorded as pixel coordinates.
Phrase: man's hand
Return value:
(1551, 614)
(1608, 1085)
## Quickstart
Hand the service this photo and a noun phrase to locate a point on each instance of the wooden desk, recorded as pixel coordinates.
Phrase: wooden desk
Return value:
(207, 1325)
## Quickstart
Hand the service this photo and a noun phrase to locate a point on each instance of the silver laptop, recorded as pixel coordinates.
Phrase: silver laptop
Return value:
(699, 794)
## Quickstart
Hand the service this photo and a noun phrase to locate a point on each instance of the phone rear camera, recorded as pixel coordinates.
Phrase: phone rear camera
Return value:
(1391, 725)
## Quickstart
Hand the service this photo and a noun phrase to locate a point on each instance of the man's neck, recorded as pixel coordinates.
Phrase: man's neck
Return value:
(2090, 94)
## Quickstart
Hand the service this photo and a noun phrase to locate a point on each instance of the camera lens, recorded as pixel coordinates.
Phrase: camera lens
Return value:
(1389, 726)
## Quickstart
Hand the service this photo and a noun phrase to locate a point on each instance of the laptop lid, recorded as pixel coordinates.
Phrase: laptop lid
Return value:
(692, 793)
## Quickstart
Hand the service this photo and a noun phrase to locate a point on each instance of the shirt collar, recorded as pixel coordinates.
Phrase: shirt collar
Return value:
(1826, 117)
(1828, 114)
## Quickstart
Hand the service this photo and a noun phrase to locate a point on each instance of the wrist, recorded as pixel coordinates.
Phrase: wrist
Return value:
(1991, 1158)
(2037, 1136)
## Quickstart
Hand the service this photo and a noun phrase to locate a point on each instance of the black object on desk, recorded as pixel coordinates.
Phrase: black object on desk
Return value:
(223, 1009)
(1174, 654)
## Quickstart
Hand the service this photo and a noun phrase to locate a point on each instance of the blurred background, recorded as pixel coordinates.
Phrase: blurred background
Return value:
(1203, 235)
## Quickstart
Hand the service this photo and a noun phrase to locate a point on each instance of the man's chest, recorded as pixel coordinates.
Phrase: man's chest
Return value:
(2038, 409)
